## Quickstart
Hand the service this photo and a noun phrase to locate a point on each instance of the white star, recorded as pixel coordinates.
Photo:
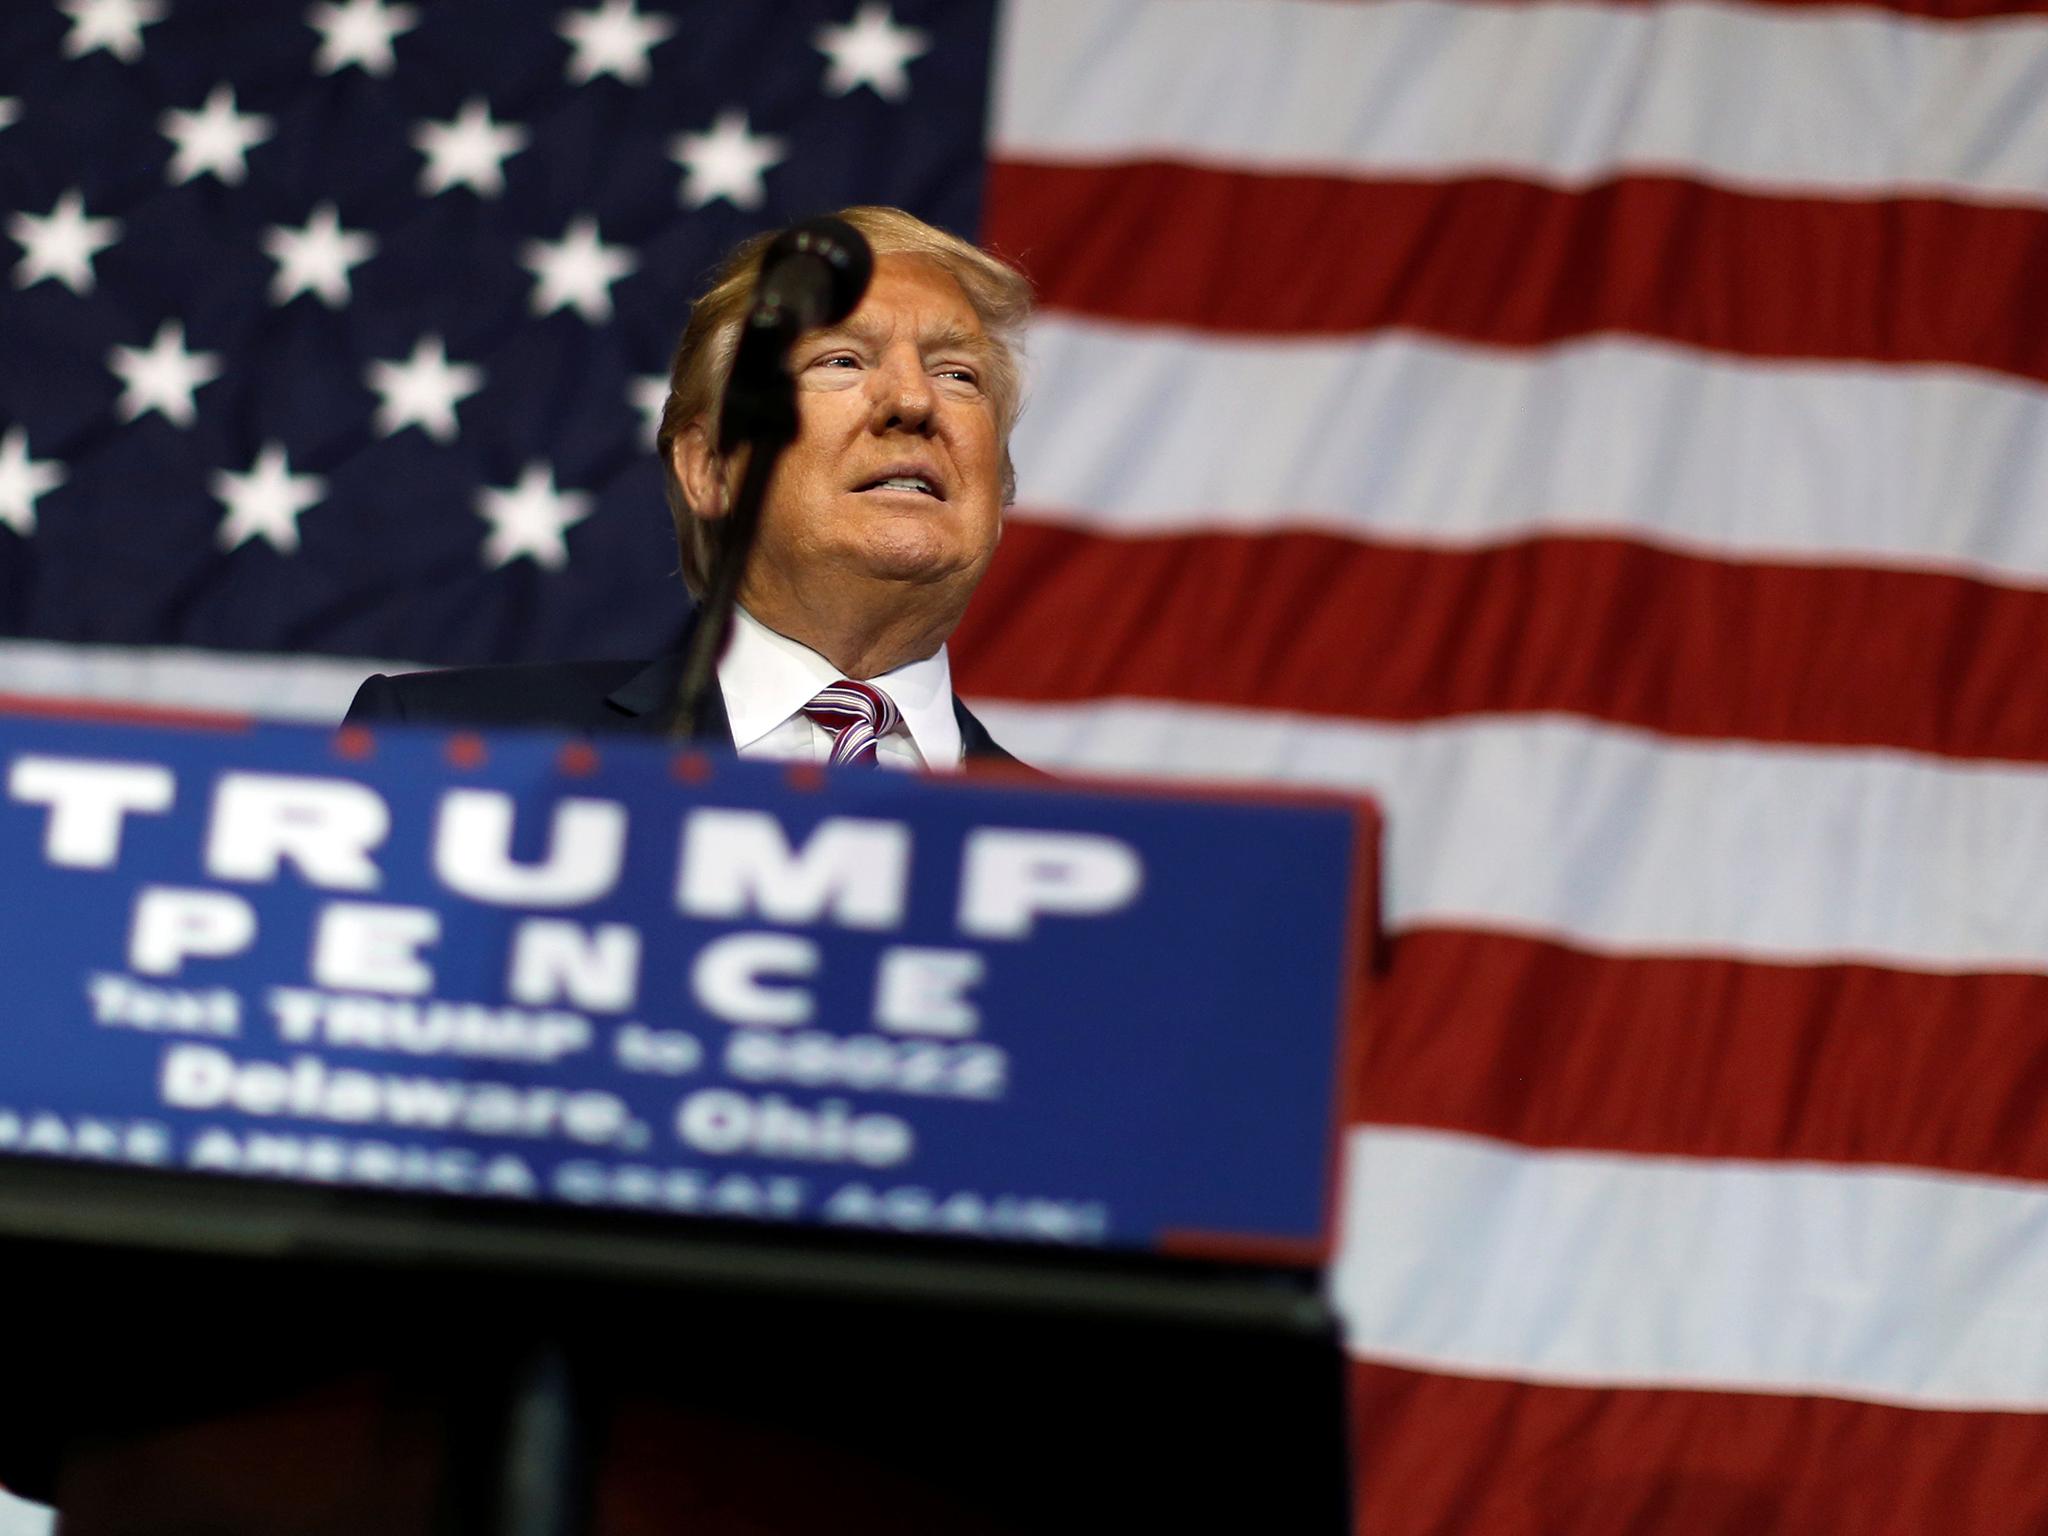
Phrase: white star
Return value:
(214, 139)
(576, 272)
(115, 25)
(649, 394)
(359, 32)
(728, 162)
(61, 243)
(530, 519)
(164, 377)
(469, 150)
(10, 110)
(265, 501)
(315, 259)
(422, 391)
(22, 480)
(614, 39)
(870, 50)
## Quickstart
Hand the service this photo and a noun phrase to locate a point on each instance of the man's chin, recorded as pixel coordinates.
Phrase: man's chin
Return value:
(914, 561)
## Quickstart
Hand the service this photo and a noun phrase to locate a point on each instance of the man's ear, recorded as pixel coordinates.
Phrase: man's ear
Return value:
(699, 469)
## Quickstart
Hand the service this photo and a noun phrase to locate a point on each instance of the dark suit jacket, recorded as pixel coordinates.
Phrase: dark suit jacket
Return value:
(587, 696)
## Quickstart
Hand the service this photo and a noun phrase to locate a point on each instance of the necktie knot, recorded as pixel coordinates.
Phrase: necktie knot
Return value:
(858, 715)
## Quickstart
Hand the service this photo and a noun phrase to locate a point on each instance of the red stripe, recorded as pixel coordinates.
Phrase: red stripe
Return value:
(114, 712)
(1595, 626)
(1446, 1456)
(1514, 264)
(1941, 10)
(1537, 1043)
(1240, 1248)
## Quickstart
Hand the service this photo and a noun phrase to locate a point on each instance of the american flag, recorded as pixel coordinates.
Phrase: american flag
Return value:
(339, 328)
(1609, 431)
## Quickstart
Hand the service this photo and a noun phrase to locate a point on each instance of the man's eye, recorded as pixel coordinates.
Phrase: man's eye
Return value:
(964, 375)
(837, 360)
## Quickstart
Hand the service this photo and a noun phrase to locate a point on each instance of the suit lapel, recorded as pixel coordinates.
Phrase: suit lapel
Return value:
(976, 745)
(647, 701)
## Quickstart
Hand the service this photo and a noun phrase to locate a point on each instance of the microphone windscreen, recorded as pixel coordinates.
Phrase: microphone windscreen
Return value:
(823, 247)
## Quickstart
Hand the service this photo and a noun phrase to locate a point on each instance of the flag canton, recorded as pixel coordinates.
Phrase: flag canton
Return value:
(343, 326)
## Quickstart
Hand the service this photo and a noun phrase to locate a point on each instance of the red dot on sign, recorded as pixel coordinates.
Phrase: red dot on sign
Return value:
(466, 751)
(577, 760)
(691, 768)
(805, 776)
(354, 743)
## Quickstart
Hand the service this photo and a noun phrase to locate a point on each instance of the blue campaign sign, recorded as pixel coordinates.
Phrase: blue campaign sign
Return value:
(524, 968)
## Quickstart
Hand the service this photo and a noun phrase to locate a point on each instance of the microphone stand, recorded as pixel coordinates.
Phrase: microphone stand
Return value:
(811, 274)
(759, 415)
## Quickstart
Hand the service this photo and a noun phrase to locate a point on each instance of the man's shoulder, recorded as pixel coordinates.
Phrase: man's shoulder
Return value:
(983, 750)
(571, 695)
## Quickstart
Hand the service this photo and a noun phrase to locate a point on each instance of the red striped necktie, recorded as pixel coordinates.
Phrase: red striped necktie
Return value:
(858, 715)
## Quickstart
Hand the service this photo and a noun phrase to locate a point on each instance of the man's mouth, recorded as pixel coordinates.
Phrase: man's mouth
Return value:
(916, 484)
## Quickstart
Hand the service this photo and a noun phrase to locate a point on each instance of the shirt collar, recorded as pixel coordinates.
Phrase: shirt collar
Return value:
(767, 677)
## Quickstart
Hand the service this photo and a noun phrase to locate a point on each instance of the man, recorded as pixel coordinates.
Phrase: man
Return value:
(878, 524)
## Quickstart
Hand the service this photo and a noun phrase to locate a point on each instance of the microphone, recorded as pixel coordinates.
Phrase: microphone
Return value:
(812, 274)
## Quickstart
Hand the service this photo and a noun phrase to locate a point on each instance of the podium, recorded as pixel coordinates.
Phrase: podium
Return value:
(506, 1134)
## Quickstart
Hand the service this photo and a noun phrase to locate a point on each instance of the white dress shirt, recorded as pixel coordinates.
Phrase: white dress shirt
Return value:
(768, 678)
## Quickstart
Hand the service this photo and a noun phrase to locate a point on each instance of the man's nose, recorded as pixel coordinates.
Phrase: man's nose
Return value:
(902, 394)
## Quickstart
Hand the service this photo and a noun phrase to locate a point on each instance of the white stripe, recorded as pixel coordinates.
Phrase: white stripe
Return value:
(1836, 99)
(1601, 836)
(1903, 1287)
(1433, 442)
(313, 689)
(1614, 839)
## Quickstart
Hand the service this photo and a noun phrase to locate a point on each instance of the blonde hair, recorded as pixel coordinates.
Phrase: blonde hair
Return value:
(999, 294)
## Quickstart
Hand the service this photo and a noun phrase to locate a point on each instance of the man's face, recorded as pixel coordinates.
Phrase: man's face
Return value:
(895, 473)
